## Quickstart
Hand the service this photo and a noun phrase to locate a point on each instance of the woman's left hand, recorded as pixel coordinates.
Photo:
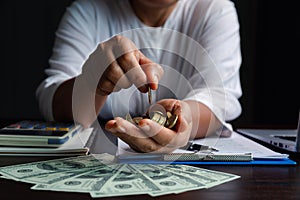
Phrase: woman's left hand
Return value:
(149, 136)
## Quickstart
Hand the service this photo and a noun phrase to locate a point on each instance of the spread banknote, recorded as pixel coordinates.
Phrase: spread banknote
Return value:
(100, 175)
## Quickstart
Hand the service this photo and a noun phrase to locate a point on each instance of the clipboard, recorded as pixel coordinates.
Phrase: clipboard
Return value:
(235, 150)
(201, 159)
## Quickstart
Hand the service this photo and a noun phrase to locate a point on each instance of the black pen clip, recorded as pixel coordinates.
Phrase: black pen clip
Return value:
(198, 147)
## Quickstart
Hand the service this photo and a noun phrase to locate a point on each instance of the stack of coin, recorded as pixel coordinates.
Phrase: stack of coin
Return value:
(169, 120)
(157, 114)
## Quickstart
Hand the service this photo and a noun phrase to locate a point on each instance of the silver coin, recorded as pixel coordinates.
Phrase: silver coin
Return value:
(172, 121)
(137, 120)
(129, 118)
(169, 114)
(167, 120)
(158, 117)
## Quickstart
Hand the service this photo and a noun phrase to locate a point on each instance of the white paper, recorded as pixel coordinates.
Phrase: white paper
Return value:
(236, 144)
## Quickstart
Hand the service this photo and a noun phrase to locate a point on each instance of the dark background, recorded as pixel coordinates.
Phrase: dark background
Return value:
(270, 48)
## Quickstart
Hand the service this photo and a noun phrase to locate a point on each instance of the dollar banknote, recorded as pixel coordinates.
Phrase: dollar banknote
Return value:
(209, 178)
(101, 176)
(127, 181)
(37, 172)
(167, 181)
(90, 181)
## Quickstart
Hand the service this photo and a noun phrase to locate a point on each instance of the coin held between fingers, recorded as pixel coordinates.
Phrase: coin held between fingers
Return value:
(149, 95)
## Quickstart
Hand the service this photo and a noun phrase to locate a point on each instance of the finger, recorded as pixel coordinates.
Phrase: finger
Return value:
(146, 145)
(153, 76)
(182, 110)
(122, 126)
(105, 86)
(113, 127)
(136, 138)
(177, 107)
(131, 67)
(116, 75)
(162, 135)
(170, 105)
(154, 73)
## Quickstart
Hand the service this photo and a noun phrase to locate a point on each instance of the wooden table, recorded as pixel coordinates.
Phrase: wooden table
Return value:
(256, 182)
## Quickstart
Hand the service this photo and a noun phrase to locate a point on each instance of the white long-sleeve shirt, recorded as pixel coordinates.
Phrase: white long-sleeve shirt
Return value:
(198, 47)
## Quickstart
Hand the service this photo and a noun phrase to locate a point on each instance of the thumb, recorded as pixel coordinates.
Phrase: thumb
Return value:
(153, 71)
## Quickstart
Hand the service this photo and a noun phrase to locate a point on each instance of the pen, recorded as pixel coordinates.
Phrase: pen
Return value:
(198, 147)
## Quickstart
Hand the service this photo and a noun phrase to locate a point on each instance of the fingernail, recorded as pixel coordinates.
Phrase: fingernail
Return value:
(144, 127)
(109, 126)
(154, 85)
(155, 79)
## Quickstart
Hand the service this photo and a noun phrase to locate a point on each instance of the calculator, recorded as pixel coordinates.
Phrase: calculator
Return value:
(37, 134)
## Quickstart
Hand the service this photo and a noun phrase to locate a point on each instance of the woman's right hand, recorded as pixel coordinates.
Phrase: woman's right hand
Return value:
(117, 64)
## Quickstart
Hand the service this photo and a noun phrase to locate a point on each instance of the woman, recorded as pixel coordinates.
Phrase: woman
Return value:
(187, 52)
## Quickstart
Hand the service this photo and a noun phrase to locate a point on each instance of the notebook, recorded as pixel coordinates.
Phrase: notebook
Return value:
(78, 144)
(287, 139)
